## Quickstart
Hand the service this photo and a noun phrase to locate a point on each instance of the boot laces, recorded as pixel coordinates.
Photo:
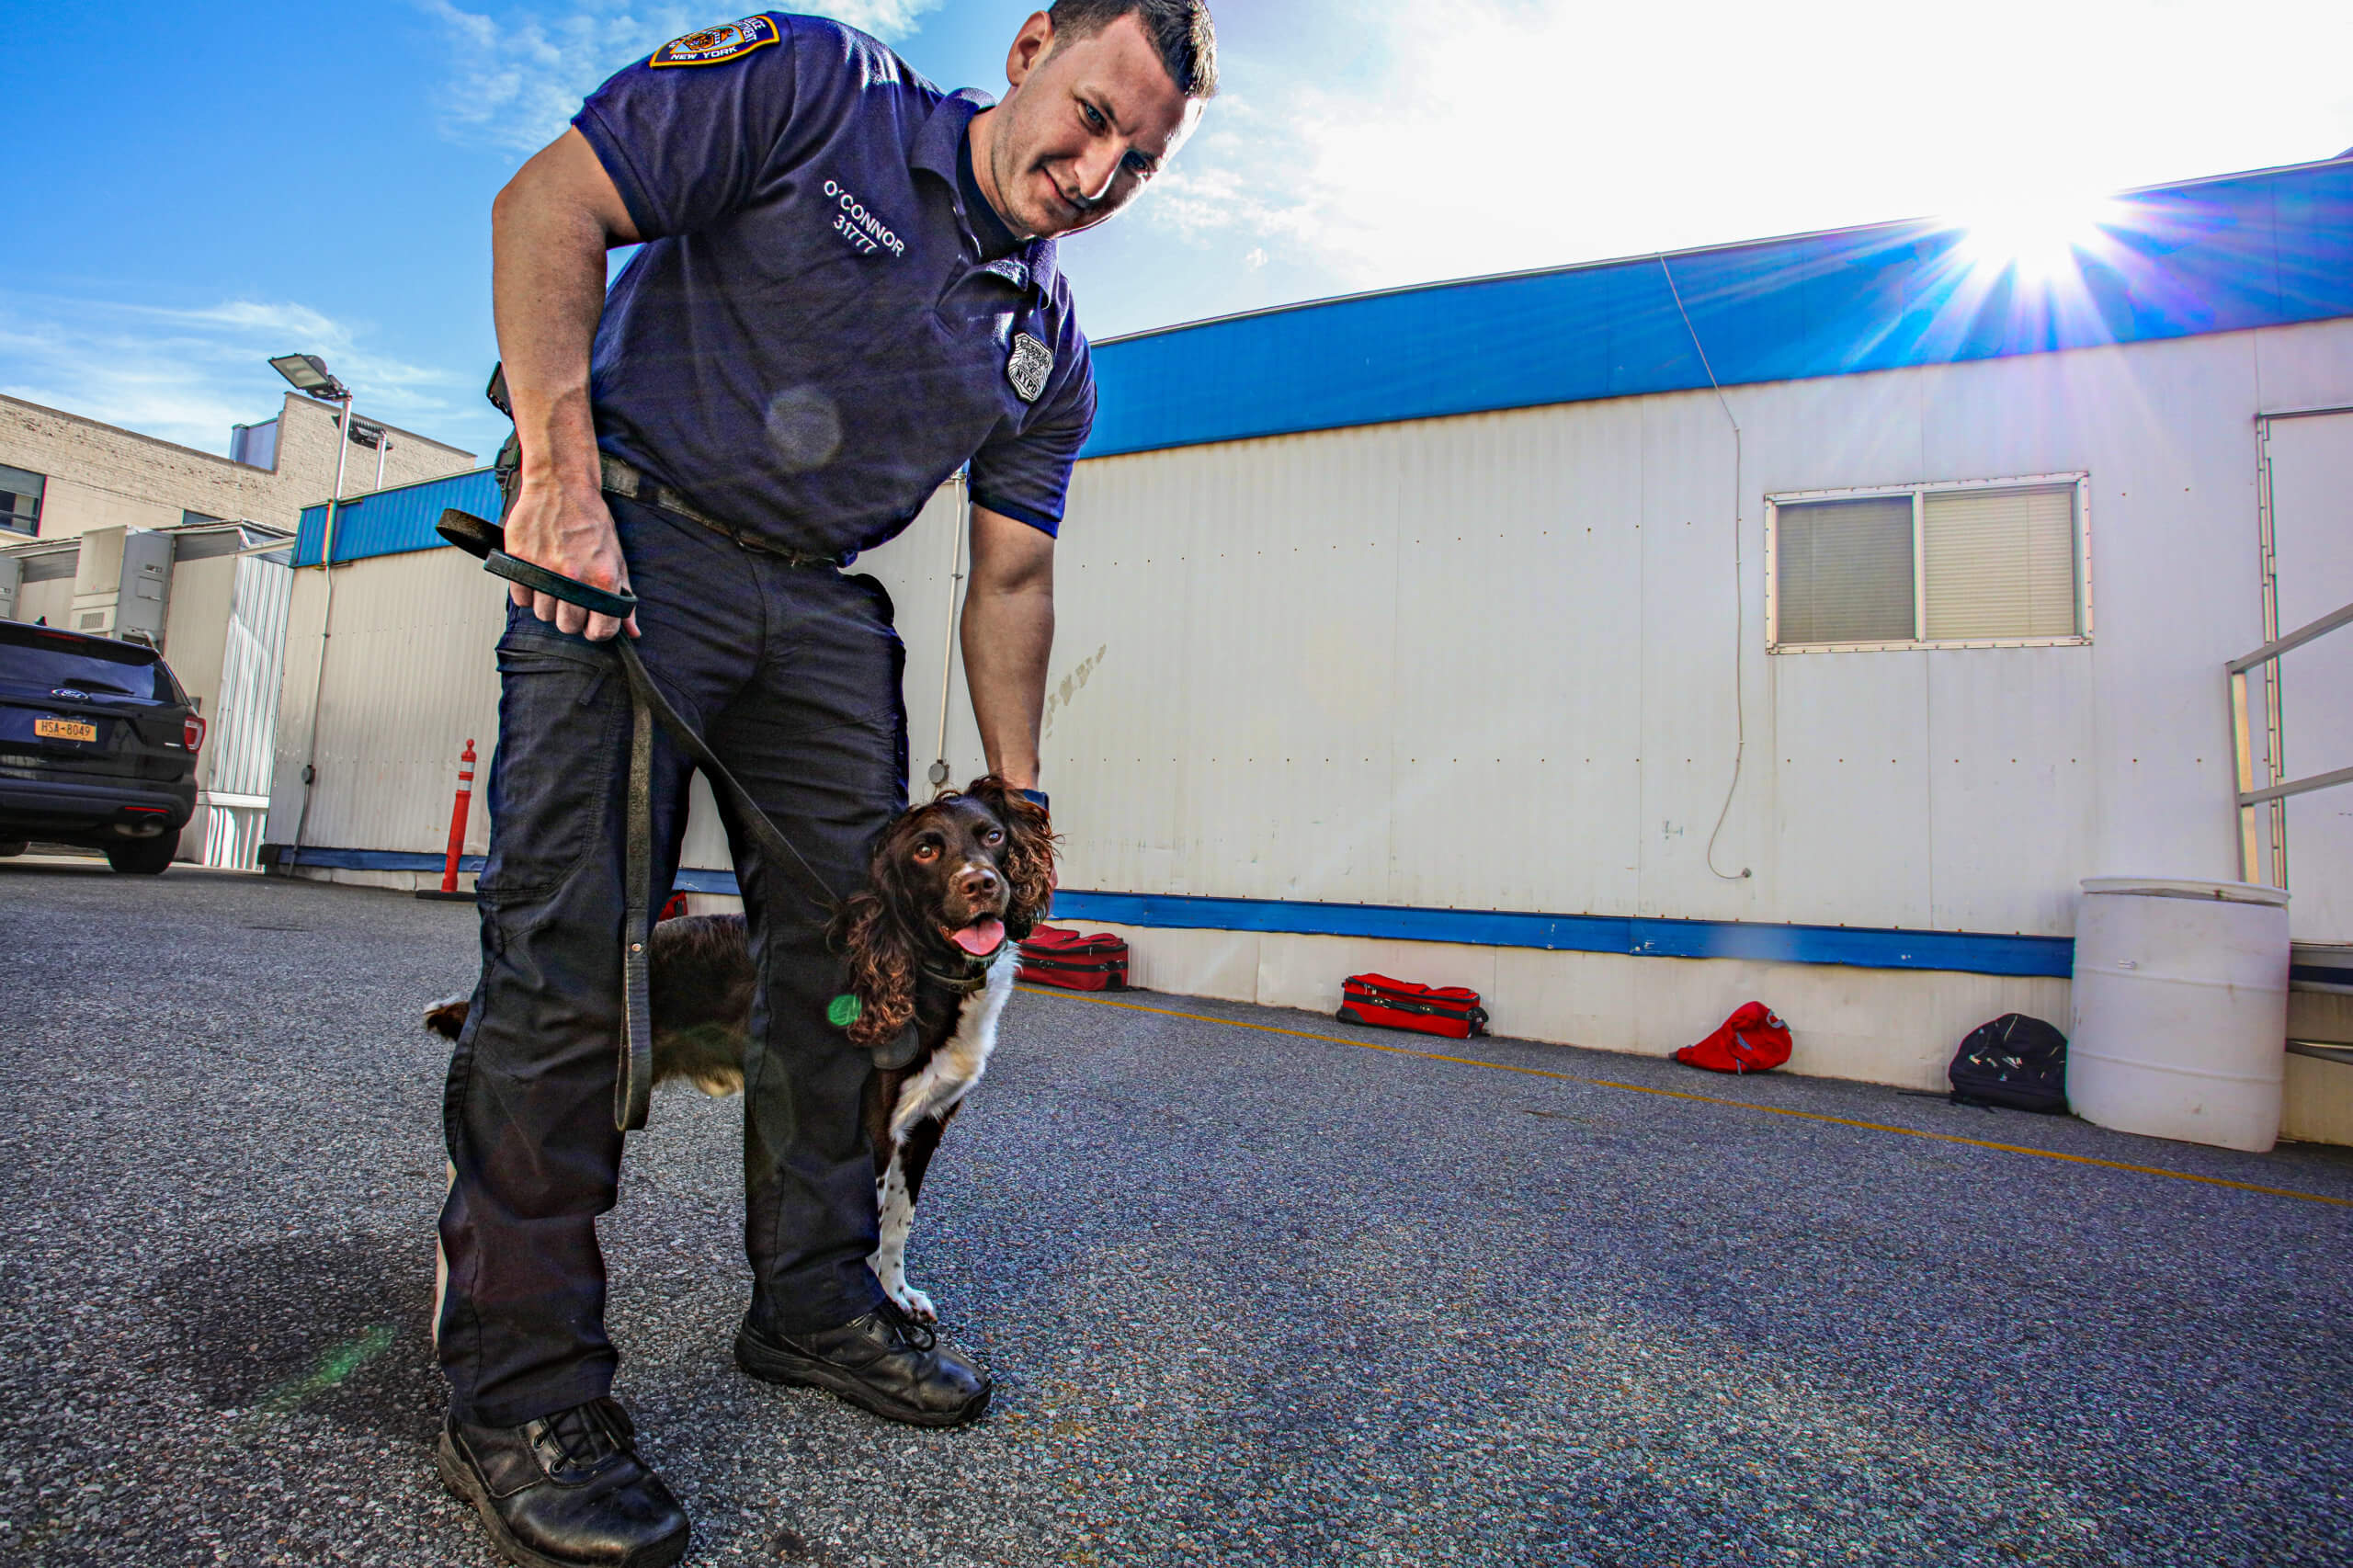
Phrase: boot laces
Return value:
(912, 1334)
(588, 1435)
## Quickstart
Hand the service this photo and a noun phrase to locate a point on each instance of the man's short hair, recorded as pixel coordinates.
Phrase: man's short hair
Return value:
(1180, 29)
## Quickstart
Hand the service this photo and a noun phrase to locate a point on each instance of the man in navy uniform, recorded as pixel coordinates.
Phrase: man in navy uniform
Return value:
(847, 292)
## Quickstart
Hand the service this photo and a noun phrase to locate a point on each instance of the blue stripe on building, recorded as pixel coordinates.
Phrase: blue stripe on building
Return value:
(418, 860)
(2266, 249)
(394, 522)
(1971, 952)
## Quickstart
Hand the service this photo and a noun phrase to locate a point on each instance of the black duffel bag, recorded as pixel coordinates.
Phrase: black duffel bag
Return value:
(2014, 1062)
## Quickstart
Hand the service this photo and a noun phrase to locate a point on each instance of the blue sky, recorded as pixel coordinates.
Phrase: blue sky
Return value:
(193, 187)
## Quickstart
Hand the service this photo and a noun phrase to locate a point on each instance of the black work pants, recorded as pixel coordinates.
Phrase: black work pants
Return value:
(792, 675)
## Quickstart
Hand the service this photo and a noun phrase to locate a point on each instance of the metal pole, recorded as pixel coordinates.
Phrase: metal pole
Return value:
(384, 445)
(2243, 745)
(938, 774)
(2274, 765)
(326, 621)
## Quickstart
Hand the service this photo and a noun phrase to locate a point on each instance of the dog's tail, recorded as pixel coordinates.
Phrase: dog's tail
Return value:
(446, 1017)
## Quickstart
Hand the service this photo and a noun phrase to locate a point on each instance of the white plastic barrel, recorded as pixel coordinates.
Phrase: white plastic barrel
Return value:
(2180, 1009)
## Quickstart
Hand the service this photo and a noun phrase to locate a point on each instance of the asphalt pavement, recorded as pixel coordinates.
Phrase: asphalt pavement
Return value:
(1250, 1297)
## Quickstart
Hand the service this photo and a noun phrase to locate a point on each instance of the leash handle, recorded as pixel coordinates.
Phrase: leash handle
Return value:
(487, 540)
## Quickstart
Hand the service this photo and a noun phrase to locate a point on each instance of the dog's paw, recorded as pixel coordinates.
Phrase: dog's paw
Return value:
(446, 1017)
(719, 1083)
(914, 1303)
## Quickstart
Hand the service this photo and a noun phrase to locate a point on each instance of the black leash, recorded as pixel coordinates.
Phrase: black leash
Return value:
(633, 1089)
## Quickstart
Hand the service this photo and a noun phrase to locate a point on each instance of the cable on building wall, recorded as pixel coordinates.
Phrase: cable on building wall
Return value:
(1739, 599)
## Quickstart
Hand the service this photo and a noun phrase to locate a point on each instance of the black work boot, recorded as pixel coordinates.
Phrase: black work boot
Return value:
(886, 1361)
(565, 1491)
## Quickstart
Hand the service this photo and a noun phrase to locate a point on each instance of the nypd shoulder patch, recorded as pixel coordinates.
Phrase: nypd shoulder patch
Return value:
(715, 46)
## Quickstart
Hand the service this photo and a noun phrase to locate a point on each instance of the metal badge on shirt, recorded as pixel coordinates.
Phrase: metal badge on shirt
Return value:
(712, 46)
(1029, 366)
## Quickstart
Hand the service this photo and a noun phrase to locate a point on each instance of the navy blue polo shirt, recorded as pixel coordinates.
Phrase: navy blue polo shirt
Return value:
(812, 339)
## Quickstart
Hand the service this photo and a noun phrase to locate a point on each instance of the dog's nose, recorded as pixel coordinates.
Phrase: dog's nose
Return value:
(976, 881)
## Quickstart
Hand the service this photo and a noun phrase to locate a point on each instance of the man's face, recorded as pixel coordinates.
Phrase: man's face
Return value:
(1087, 123)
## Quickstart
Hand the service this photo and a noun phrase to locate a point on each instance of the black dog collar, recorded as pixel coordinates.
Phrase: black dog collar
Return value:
(964, 981)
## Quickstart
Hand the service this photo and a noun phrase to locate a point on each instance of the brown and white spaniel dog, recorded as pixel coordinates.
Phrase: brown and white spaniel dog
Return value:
(930, 944)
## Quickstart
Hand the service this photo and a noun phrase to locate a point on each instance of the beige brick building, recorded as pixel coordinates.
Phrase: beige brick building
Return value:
(62, 474)
(108, 531)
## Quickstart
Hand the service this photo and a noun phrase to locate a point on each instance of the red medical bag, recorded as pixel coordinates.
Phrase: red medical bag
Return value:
(1752, 1041)
(1055, 955)
(1449, 1010)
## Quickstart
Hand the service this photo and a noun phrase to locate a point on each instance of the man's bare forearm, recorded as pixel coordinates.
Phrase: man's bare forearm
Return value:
(548, 245)
(1008, 639)
(549, 229)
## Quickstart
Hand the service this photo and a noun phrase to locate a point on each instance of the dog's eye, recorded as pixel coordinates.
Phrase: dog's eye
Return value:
(994, 835)
(926, 853)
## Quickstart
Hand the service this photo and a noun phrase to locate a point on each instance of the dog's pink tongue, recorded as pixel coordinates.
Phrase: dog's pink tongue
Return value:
(981, 938)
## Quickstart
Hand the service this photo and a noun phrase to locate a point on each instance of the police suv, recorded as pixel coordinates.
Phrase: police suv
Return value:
(97, 747)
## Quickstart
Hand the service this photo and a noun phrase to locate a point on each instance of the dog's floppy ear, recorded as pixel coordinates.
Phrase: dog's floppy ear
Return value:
(882, 961)
(1028, 852)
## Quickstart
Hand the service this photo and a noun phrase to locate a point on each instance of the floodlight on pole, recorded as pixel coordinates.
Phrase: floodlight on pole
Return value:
(310, 375)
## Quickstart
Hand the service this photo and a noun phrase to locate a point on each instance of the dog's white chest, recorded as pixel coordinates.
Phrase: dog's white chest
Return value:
(956, 1066)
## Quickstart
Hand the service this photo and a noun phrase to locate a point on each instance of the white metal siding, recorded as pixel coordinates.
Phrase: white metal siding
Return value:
(410, 676)
(242, 739)
(413, 675)
(1489, 662)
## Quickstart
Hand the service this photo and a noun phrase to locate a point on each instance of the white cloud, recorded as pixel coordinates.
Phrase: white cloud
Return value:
(519, 74)
(186, 374)
(1488, 135)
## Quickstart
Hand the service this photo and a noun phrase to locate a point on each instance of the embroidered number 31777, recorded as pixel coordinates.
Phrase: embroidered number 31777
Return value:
(852, 222)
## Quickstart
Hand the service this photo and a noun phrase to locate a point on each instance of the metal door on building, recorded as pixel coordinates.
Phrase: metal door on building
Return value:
(2308, 462)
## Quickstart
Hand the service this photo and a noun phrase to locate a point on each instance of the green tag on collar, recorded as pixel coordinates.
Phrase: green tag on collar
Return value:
(843, 1010)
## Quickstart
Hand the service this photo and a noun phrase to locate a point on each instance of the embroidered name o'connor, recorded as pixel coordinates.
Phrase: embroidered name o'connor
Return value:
(861, 228)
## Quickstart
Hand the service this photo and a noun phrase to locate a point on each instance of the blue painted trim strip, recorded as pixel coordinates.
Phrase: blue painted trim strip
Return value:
(690, 878)
(2270, 248)
(1970, 952)
(376, 860)
(2263, 249)
(396, 520)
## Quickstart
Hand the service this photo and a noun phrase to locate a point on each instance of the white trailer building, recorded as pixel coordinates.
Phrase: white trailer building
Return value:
(1802, 619)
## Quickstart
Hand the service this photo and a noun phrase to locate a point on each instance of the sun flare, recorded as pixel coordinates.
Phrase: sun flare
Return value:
(2041, 238)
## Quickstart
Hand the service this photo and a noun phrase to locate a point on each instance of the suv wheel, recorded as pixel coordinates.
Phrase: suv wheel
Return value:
(144, 857)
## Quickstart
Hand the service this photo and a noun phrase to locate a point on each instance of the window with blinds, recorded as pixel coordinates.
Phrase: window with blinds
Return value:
(20, 493)
(1925, 563)
(1998, 564)
(1845, 570)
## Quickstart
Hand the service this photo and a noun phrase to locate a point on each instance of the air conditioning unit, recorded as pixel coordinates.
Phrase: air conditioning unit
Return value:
(122, 584)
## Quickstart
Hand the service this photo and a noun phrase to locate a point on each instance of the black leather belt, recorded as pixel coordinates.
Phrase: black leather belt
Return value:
(626, 480)
(633, 1088)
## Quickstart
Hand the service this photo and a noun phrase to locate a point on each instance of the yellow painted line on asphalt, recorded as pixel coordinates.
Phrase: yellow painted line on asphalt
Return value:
(1704, 1099)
